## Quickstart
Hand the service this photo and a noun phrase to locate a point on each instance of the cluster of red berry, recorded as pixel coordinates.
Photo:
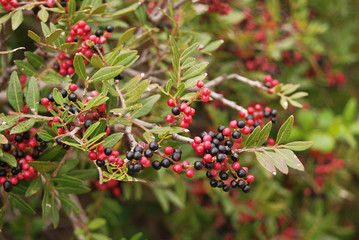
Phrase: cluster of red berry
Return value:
(89, 44)
(113, 186)
(26, 147)
(8, 4)
(182, 111)
(83, 118)
(100, 154)
(217, 6)
(269, 82)
(291, 57)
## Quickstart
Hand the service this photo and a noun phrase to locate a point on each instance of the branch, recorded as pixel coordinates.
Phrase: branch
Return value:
(156, 18)
(227, 102)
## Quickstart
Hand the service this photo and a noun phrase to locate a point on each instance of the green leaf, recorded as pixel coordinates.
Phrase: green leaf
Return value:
(34, 187)
(2, 216)
(136, 93)
(289, 88)
(126, 10)
(263, 136)
(295, 103)
(147, 106)
(126, 36)
(291, 159)
(16, 19)
(14, 93)
(266, 162)
(298, 95)
(284, 103)
(33, 95)
(193, 81)
(45, 136)
(71, 7)
(5, 18)
(96, 61)
(169, 130)
(42, 166)
(299, 146)
(126, 58)
(43, 15)
(66, 181)
(58, 97)
(20, 204)
(175, 60)
(194, 71)
(8, 158)
(73, 189)
(278, 161)
(53, 36)
(8, 121)
(96, 223)
(80, 67)
(22, 126)
(34, 59)
(285, 130)
(350, 111)
(162, 198)
(3, 139)
(90, 130)
(25, 68)
(99, 9)
(253, 137)
(68, 205)
(106, 73)
(132, 83)
(213, 46)
(112, 140)
(189, 52)
(46, 202)
(189, 62)
(54, 214)
(33, 36)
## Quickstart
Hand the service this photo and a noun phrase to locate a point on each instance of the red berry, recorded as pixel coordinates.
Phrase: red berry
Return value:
(183, 124)
(207, 138)
(250, 178)
(177, 168)
(63, 72)
(246, 130)
(227, 132)
(233, 124)
(267, 78)
(45, 101)
(102, 156)
(200, 84)
(56, 119)
(245, 169)
(100, 148)
(187, 110)
(62, 56)
(69, 39)
(183, 106)
(2, 180)
(236, 165)
(207, 157)
(187, 119)
(13, 181)
(168, 150)
(206, 91)
(250, 122)
(190, 173)
(170, 118)
(207, 145)
(200, 150)
(197, 140)
(120, 162)
(81, 24)
(171, 102)
(93, 155)
(205, 98)
(21, 146)
(70, 70)
(242, 114)
(257, 107)
(271, 141)
(275, 83)
(7, 8)
(73, 87)
(250, 110)
(94, 93)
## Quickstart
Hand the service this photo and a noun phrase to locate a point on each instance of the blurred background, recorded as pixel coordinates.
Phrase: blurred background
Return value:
(312, 43)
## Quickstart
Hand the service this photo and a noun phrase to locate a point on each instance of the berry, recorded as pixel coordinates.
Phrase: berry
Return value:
(170, 118)
(73, 87)
(175, 111)
(200, 84)
(100, 163)
(246, 188)
(72, 97)
(166, 163)
(246, 130)
(250, 178)
(108, 151)
(190, 173)
(241, 173)
(63, 93)
(87, 123)
(198, 165)
(153, 146)
(177, 168)
(156, 165)
(45, 101)
(241, 124)
(109, 28)
(171, 102)
(7, 186)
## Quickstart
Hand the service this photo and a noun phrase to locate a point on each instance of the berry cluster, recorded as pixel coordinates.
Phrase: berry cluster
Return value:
(26, 147)
(89, 43)
(254, 117)
(8, 4)
(216, 149)
(269, 82)
(113, 186)
(83, 119)
(101, 154)
(291, 57)
(217, 6)
(182, 111)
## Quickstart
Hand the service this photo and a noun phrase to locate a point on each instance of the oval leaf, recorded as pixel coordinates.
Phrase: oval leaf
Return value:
(14, 92)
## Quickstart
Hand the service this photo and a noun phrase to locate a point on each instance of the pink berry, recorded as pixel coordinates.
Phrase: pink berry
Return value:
(170, 118)
(233, 124)
(171, 102)
(190, 173)
(200, 84)
(168, 150)
(227, 132)
(250, 178)
(236, 165)
(177, 168)
(73, 87)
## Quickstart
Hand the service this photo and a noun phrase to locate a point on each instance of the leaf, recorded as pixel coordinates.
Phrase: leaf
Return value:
(266, 162)
(278, 161)
(253, 137)
(350, 110)
(112, 140)
(96, 223)
(33, 95)
(20, 204)
(213, 46)
(43, 15)
(189, 51)
(25, 68)
(284, 103)
(147, 106)
(5, 18)
(73, 189)
(90, 130)
(3, 139)
(54, 214)
(67, 180)
(132, 83)
(263, 136)
(106, 73)
(68, 205)
(34, 59)
(126, 36)
(96, 61)
(58, 97)
(126, 10)
(53, 36)
(14, 93)
(193, 81)
(291, 159)
(175, 59)
(42, 166)
(8, 121)
(189, 62)
(22, 126)
(194, 71)
(298, 95)
(162, 198)
(80, 67)
(71, 7)
(295, 103)
(299, 146)
(285, 130)
(34, 187)
(8, 158)
(289, 88)
(170, 130)
(16, 19)
(33, 36)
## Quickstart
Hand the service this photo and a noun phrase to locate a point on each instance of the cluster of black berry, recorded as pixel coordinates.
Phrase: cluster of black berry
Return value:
(25, 147)
(216, 149)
